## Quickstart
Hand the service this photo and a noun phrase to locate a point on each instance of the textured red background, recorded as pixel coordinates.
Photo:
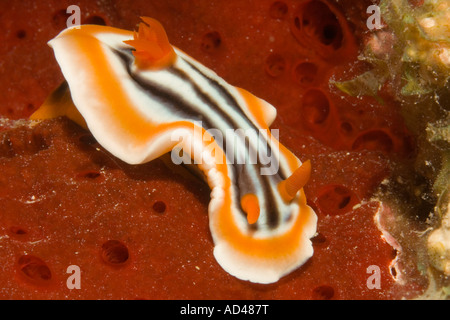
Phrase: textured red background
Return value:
(141, 232)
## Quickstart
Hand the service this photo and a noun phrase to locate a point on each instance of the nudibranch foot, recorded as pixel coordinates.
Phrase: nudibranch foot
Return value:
(142, 98)
(59, 103)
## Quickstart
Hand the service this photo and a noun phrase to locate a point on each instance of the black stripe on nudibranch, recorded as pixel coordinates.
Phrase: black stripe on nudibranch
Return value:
(273, 214)
(243, 176)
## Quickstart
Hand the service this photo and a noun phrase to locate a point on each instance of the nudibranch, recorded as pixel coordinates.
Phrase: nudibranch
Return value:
(135, 92)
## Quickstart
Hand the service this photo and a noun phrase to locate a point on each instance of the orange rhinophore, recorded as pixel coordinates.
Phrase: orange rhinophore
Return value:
(288, 188)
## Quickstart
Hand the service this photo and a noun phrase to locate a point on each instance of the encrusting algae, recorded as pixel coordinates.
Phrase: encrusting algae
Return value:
(410, 59)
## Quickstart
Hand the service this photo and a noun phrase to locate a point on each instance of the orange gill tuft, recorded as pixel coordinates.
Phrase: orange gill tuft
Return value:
(152, 47)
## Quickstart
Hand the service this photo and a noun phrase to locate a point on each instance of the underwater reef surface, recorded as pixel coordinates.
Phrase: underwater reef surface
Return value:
(410, 58)
(379, 183)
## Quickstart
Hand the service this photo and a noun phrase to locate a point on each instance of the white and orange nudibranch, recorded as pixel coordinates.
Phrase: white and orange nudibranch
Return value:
(132, 90)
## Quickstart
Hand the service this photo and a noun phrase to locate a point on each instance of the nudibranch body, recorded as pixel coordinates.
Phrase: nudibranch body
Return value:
(142, 98)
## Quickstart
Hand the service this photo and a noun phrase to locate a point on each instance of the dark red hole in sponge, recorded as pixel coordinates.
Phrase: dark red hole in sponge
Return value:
(315, 107)
(95, 20)
(93, 175)
(17, 231)
(59, 19)
(374, 140)
(316, 24)
(305, 73)
(34, 270)
(275, 65)
(21, 34)
(323, 292)
(278, 10)
(159, 207)
(335, 199)
(114, 252)
(211, 41)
